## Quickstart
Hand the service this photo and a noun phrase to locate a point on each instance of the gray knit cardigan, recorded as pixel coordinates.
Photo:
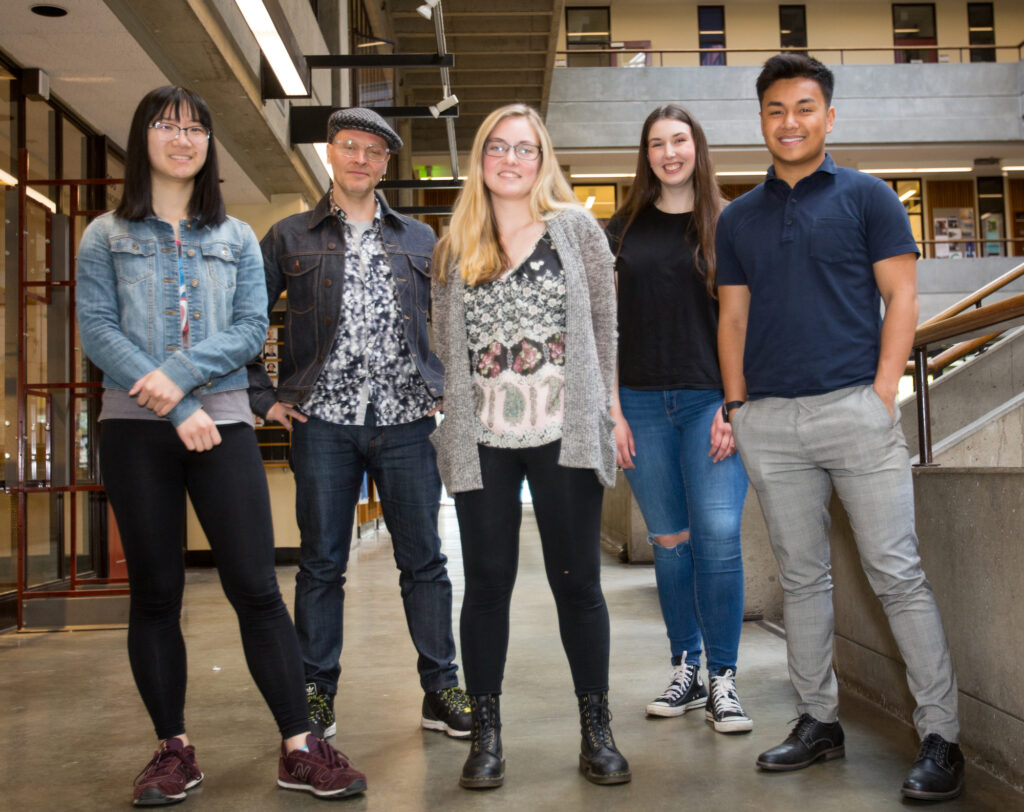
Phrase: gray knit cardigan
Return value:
(587, 439)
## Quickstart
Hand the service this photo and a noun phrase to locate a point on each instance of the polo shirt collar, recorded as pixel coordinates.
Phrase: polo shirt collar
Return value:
(827, 166)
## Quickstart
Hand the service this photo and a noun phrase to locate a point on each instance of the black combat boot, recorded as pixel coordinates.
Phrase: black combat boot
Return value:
(485, 765)
(600, 760)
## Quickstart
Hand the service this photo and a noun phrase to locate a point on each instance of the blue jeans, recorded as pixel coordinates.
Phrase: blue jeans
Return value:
(678, 487)
(329, 462)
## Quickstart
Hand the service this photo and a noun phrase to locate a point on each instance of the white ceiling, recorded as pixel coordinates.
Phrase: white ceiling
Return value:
(98, 70)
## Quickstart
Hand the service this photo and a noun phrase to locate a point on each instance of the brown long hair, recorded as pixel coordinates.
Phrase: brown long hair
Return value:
(707, 196)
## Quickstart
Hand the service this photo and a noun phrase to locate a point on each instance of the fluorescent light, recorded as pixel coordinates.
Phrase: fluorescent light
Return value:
(604, 175)
(1013, 168)
(591, 200)
(742, 172)
(321, 153)
(372, 44)
(272, 45)
(10, 180)
(918, 170)
(907, 195)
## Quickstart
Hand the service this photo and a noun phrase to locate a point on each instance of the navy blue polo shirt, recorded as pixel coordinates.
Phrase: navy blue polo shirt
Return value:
(806, 253)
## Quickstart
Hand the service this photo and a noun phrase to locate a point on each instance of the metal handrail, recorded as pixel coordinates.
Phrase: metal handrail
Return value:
(971, 320)
(817, 50)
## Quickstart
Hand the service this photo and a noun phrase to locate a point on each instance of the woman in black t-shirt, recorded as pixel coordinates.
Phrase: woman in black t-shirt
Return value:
(672, 439)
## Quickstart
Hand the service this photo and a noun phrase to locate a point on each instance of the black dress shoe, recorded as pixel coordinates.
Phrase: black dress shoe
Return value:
(938, 773)
(810, 741)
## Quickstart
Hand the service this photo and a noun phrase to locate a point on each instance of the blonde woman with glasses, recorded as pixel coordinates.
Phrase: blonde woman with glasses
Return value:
(524, 319)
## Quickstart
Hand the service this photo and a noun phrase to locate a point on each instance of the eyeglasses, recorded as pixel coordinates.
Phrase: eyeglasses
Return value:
(352, 149)
(496, 148)
(166, 131)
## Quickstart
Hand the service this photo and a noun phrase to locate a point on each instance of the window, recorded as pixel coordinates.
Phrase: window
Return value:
(711, 33)
(913, 26)
(792, 27)
(981, 30)
(909, 192)
(588, 28)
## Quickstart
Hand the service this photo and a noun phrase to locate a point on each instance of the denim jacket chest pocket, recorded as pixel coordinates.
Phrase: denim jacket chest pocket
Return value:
(301, 274)
(220, 260)
(134, 259)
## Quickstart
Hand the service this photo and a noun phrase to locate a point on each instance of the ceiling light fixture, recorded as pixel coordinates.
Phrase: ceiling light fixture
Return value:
(426, 11)
(739, 173)
(49, 11)
(925, 170)
(591, 200)
(258, 19)
(10, 180)
(907, 195)
(603, 175)
(445, 103)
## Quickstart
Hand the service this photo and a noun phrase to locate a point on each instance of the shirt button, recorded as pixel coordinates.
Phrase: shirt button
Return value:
(331, 246)
(789, 222)
(195, 283)
(196, 314)
(327, 283)
(191, 252)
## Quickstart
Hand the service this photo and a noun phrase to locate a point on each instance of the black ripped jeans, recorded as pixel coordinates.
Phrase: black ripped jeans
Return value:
(567, 504)
(147, 471)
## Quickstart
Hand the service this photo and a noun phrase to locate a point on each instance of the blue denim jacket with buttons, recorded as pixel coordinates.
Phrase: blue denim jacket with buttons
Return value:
(304, 254)
(128, 303)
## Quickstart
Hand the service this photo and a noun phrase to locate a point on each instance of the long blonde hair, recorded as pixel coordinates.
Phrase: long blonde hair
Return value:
(472, 240)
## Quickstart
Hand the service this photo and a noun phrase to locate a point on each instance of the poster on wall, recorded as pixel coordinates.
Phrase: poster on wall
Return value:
(954, 233)
(992, 228)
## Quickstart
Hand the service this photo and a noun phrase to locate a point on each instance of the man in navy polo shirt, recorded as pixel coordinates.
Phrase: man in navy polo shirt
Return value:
(810, 369)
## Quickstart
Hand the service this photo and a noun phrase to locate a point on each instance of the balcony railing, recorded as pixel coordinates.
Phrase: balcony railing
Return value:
(689, 57)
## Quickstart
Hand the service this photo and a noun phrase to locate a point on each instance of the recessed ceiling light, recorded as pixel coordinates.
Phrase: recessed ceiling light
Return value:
(49, 11)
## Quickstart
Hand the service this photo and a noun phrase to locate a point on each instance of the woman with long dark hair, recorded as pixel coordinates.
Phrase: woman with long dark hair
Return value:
(172, 303)
(524, 319)
(672, 435)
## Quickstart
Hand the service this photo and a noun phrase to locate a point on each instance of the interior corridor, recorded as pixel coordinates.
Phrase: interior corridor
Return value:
(73, 732)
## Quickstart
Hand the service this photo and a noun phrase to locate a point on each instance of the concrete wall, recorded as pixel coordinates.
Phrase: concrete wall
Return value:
(970, 524)
(891, 104)
(969, 392)
(943, 282)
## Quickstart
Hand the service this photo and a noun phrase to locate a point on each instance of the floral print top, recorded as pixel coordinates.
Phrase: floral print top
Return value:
(516, 331)
(370, 361)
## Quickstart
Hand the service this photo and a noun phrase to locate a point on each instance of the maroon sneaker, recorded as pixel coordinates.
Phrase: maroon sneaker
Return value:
(323, 771)
(170, 772)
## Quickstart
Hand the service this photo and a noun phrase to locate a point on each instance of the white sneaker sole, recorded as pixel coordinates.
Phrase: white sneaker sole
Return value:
(655, 709)
(744, 725)
(437, 724)
(357, 786)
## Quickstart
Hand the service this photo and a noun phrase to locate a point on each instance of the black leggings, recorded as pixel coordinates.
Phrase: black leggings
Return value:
(147, 470)
(567, 504)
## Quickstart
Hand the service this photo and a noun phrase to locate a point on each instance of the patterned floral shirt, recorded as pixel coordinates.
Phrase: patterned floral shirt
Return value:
(370, 362)
(516, 331)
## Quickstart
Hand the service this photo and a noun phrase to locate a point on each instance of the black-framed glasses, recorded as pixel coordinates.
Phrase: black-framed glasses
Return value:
(351, 149)
(168, 131)
(524, 150)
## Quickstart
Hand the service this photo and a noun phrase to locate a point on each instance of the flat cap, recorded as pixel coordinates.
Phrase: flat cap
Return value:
(362, 118)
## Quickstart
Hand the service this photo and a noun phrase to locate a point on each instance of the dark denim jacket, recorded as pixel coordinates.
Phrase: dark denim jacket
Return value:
(304, 254)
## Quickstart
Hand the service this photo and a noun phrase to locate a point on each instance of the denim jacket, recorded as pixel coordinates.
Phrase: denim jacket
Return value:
(304, 254)
(128, 303)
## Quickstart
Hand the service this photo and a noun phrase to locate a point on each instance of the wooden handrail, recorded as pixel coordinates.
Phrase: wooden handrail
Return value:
(973, 299)
(967, 323)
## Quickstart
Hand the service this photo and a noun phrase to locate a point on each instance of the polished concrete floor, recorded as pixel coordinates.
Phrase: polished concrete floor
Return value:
(73, 732)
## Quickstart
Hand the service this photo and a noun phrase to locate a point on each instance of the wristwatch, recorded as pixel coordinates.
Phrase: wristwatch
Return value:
(732, 404)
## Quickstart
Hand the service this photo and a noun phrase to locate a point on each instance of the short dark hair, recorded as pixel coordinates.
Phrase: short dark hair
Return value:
(206, 203)
(795, 66)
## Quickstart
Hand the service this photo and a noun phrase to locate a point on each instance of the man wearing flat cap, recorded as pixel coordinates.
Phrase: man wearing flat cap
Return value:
(358, 387)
